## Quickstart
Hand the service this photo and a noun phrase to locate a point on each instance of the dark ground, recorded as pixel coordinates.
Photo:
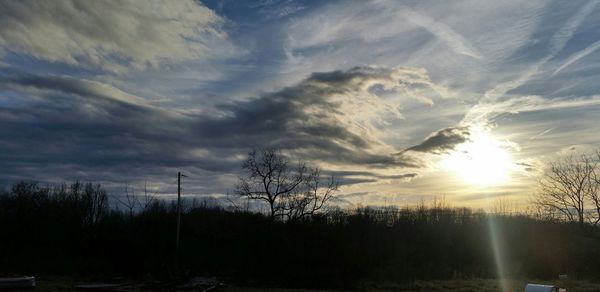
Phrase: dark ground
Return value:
(55, 284)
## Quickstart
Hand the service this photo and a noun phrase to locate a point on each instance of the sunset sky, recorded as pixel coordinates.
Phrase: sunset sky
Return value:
(400, 100)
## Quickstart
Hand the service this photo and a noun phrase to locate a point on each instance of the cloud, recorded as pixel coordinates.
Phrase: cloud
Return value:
(332, 117)
(111, 35)
(90, 130)
(442, 140)
(349, 177)
(522, 104)
(80, 87)
(578, 55)
(372, 23)
(557, 43)
(454, 40)
(441, 38)
(526, 166)
(61, 129)
(394, 75)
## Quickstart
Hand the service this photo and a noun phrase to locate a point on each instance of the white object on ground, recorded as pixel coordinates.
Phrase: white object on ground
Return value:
(540, 288)
(17, 282)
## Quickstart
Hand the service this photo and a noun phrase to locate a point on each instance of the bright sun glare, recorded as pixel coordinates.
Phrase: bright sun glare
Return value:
(482, 161)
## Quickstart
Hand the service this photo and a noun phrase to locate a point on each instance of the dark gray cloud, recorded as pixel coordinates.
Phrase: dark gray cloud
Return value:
(348, 177)
(58, 128)
(526, 166)
(352, 195)
(401, 176)
(442, 140)
(305, 118)
(79, 128)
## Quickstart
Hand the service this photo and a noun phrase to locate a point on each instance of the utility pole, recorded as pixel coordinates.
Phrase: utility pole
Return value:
(179, 175)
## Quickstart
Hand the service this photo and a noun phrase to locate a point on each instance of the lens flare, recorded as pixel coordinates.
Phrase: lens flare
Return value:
(498, 252)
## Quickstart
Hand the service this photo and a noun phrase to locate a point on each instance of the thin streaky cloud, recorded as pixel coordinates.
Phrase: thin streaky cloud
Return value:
(542, 133)
(454, 40)
(486, 111)
(558, 42)
(577, 56)
(560, 39)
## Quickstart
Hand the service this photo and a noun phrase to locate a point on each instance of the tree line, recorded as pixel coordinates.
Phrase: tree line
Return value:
(300, 241)
(68, 229)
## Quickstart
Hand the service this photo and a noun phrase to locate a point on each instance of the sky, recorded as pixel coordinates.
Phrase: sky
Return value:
(402, 101)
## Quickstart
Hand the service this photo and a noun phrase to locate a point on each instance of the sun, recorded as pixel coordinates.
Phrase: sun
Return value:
(482, 161)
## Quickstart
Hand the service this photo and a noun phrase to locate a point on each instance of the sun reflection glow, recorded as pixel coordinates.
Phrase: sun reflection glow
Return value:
(481, 161)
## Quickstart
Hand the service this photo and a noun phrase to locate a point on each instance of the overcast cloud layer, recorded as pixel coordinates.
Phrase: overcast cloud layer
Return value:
(374, 92)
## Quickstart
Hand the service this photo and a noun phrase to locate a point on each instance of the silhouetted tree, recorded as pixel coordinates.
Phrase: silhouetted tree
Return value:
(91, 201)
(594, 192)
(570, 186)
(291, 192)
(149, 198)
(130, 200)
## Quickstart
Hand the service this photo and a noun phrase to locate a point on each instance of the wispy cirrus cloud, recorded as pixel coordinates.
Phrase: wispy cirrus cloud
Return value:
(577, 56)
(454, 40)
(557, 42)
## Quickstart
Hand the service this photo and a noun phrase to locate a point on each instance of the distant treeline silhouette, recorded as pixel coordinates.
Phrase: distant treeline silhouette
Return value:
(71, 230)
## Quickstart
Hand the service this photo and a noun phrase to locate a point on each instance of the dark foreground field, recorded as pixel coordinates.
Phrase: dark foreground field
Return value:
(56, 284)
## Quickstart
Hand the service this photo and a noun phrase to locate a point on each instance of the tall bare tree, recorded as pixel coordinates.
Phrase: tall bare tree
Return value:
(292, 192)
(594, 190)
(149, 198)
(90, 200)
(130, 200)
(570, 186)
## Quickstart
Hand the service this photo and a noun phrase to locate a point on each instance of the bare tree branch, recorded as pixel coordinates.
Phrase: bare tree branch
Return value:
(291, 193)
(570, 186)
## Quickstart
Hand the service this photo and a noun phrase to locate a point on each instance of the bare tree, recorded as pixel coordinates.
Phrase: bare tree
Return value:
(594, 189)
(149, 198)
(502, 206)
(130, 200)
(92, 202)
(570, 187)
(311, 197)
(291, 192)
